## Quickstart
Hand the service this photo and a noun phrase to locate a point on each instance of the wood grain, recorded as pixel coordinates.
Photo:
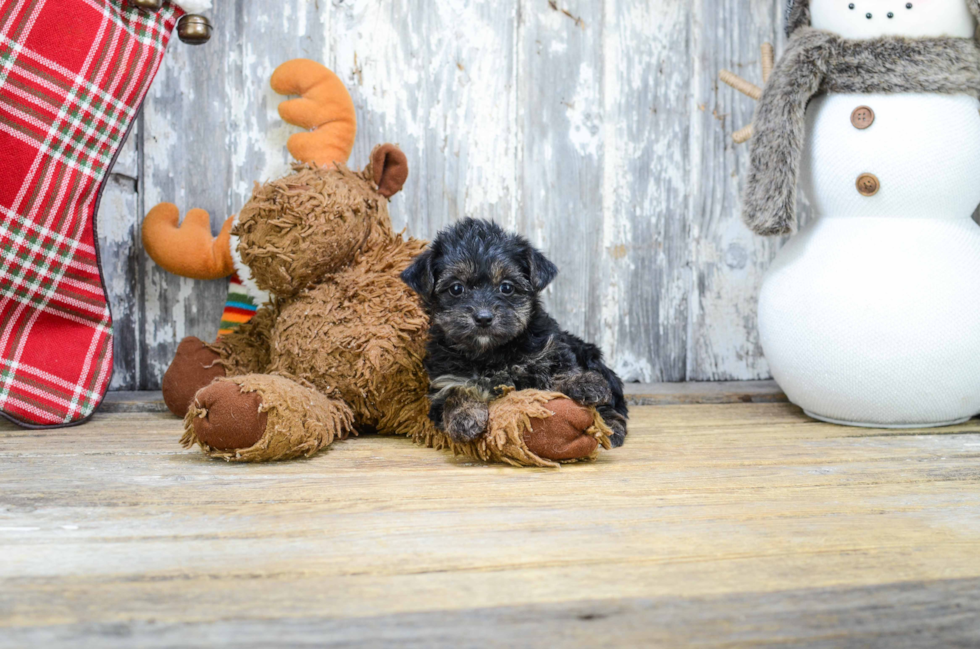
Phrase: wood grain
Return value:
(646, 279)
(561, 115)
(597, 129)
(120, 254)
(893, 616)
(111, 531)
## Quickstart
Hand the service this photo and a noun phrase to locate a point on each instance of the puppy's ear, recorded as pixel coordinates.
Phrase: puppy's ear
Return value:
(421, 276)
(540, 269)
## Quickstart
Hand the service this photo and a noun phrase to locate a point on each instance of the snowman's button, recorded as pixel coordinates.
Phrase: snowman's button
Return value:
(862, 117)
(868, 184)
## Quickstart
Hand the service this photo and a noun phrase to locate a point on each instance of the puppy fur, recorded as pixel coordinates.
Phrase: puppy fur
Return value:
(488, 331)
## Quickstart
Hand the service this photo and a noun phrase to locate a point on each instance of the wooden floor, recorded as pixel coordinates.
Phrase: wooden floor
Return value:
(715, 526)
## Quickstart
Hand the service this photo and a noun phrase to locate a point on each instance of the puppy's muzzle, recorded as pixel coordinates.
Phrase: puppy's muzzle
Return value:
(483, 318)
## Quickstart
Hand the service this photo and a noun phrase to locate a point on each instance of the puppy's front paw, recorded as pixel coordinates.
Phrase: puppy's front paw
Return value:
(468, 422)
(587, 388)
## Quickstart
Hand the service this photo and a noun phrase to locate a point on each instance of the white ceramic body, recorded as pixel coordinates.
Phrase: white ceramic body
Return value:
(870, 315)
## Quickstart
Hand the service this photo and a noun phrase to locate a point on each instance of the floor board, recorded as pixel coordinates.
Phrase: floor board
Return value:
(716, 525)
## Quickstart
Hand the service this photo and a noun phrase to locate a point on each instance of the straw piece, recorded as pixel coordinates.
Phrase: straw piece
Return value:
(742, 136)
(768, 61)
(740, 84)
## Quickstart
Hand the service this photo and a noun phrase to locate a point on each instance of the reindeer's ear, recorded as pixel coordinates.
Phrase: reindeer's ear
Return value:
(389, 167)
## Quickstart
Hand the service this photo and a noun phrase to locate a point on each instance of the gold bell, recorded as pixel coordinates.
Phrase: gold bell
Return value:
(194, 29)
(147, 5)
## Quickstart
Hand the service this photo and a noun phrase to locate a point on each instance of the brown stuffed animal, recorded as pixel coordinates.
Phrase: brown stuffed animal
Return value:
(338, 347)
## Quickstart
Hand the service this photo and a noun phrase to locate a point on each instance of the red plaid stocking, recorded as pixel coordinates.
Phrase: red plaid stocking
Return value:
(73, 74)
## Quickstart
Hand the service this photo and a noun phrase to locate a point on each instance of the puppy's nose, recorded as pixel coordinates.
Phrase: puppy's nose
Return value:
(483, 318)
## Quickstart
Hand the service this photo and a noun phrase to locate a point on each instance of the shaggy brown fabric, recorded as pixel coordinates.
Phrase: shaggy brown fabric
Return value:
(821, 62)
(194, 366)
(369, 329)
(299, 419)
(300, 228)
(246, 349)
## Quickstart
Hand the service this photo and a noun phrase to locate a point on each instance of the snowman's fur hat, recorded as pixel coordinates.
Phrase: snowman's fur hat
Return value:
(798, 13)
(820, 62)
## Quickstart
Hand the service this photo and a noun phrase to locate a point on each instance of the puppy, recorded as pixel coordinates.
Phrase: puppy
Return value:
(488, 331)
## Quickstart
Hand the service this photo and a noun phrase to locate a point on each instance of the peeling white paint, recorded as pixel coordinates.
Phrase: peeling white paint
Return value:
(584, 120)
(632, 369)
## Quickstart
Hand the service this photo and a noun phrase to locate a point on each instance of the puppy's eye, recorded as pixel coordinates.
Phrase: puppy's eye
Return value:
(507, 288)
(457, 289)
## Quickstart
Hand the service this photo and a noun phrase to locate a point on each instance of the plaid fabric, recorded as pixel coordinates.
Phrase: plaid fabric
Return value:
(73, 74)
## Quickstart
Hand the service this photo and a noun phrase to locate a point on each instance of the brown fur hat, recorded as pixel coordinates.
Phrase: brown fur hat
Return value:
(798, 13)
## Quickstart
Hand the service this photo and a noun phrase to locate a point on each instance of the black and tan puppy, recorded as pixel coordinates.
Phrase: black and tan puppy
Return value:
(480, 287)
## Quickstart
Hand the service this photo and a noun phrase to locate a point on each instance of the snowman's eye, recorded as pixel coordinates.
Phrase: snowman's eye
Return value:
(891, 15)
(868, 16)
(850, 6)
(908, 6)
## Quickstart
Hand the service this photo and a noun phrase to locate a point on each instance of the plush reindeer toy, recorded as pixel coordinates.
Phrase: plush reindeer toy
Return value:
(337, 348)
(870, 315)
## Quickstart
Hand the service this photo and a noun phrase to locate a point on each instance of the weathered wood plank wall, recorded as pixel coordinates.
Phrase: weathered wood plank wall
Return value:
(595, 127)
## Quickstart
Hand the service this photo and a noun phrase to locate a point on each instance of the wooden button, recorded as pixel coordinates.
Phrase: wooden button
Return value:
(862, 117)
(868, 184)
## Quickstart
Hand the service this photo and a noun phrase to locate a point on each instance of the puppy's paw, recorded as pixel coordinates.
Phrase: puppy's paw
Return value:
(466, 423)
(587, 388)
(616, 423)
(618, 437)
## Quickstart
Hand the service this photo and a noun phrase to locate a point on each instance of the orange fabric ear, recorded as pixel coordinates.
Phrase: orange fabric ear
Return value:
(324, 107)
(188, 250)
(389, 167)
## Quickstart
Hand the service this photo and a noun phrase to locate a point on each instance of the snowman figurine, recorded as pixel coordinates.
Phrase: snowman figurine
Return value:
(870, 315)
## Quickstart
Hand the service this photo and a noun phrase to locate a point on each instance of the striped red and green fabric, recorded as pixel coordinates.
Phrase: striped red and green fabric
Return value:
(240, 306)
(73, 74)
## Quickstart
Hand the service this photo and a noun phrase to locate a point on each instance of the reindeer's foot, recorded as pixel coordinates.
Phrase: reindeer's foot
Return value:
(262, 417)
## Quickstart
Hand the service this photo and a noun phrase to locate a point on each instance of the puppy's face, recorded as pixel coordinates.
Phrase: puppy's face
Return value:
(479, 284)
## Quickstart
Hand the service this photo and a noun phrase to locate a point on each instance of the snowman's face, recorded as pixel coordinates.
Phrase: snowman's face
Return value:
(860, 19)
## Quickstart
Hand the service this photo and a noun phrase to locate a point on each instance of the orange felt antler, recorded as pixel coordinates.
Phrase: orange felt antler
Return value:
(188, 250)
(324, 106)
